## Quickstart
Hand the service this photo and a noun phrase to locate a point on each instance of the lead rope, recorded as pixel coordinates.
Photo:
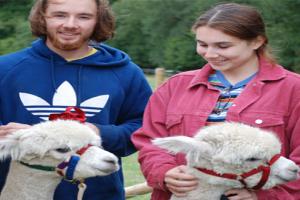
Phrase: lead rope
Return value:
(81, 190)
(66, 170)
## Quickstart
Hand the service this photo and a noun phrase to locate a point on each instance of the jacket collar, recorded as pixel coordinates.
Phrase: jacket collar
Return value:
(270, 72)
(267, 72)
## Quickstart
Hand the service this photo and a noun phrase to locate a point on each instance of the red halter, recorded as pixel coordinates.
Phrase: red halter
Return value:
(241, 177)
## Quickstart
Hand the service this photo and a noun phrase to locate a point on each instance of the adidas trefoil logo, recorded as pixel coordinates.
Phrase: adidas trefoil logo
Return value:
(64, 96)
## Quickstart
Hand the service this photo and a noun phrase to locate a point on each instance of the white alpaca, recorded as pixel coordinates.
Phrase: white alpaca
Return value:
(36, 151)
(231, 150)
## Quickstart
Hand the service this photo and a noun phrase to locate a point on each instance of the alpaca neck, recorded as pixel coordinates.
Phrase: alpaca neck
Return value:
(24, 183)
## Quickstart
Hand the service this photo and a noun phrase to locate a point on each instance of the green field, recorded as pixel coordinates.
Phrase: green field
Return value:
(133, 175)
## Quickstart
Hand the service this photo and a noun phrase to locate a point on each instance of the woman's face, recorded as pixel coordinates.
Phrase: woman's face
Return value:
(224, 52)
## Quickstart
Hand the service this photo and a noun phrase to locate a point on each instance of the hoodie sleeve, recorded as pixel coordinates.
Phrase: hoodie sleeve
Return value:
(116, 138)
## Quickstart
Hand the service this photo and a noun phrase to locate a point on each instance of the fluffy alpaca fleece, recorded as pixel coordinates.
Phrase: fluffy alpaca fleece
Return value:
(229, 148)
(48, 144)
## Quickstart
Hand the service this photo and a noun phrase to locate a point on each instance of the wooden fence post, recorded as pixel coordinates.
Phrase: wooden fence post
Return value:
(159, 76)
(136, 190)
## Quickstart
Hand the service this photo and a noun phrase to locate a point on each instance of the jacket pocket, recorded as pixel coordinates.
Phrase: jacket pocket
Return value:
(174, 124)
(262, 120)
(267, 121)
(195, 123)
(184, 124)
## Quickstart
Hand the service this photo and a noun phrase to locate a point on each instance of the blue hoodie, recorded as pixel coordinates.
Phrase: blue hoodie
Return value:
(111, 89)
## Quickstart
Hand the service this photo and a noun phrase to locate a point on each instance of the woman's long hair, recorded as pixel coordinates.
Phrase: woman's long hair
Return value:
(241, 21)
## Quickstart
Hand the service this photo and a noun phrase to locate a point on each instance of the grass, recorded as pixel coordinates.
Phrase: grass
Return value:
(151, 80)
(131, 168)
(133, 174)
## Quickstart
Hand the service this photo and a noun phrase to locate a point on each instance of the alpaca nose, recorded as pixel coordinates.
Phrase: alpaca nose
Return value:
(294, 169)
(111, 163)
(110, 160)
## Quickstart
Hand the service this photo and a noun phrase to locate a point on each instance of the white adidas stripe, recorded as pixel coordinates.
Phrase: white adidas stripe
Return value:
(61, 109)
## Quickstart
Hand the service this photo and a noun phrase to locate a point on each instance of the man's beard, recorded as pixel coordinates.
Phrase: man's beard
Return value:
(66, 46)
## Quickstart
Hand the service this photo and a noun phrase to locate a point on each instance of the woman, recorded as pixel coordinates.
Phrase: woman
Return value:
(240, 82)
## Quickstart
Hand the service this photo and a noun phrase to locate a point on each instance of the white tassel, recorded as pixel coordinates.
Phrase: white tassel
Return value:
(81, 189)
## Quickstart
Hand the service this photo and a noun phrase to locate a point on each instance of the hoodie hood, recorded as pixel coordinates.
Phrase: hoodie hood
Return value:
(105, 56)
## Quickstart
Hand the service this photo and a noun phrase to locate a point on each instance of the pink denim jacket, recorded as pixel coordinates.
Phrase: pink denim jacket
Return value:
(181, 106)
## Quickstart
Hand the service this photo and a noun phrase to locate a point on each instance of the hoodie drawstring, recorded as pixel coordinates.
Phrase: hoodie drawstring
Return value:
(54, 84)
(79, 84)
(53, 74)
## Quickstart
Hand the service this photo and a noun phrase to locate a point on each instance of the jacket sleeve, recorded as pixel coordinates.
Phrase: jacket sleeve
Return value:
(154, 161)
(291, 190)
(116, 137)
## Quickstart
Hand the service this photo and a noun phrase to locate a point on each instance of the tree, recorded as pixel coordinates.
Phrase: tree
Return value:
(14, 28)
(156, 33)
(283, 25)
(129, 35)
(150, 30)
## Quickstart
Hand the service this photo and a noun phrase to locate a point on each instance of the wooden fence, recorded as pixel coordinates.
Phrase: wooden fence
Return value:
(136, 190)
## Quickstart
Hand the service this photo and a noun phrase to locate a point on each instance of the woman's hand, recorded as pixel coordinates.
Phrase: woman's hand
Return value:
(11, 127)
(179, 182)
(240, 194)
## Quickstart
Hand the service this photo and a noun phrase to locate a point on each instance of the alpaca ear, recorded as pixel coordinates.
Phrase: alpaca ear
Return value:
(9, 145)
(182, 144)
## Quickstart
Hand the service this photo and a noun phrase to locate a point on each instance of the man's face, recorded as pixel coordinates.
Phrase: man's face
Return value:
(70, 23)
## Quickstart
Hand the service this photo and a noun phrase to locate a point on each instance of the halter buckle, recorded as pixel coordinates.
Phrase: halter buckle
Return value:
(239, 177)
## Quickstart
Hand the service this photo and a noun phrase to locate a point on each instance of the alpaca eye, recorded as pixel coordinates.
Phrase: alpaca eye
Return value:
(253, 159)
(63, 150)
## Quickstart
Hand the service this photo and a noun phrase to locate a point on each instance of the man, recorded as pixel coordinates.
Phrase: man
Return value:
(63, 69)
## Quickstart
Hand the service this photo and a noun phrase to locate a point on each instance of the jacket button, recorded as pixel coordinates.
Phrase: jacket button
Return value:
(259, 121)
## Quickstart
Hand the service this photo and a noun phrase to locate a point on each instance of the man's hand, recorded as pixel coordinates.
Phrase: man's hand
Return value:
(93, 127)
(11, 127)
(179, 182)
